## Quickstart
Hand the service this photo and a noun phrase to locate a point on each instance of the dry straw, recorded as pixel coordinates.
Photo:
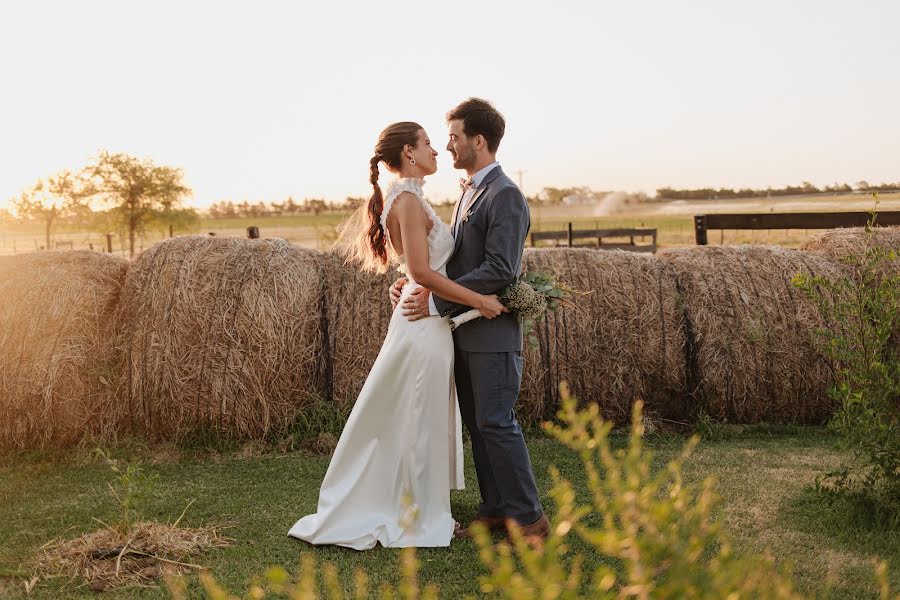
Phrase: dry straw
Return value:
(57, 352)
(112, 558)
(623, 340)
(237, 337)
(219, 336)
(752, 356)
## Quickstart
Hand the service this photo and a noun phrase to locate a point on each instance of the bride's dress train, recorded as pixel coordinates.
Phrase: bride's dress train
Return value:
(400, 452)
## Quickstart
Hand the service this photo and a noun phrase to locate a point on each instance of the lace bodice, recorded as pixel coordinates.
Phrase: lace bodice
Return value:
(440, 239)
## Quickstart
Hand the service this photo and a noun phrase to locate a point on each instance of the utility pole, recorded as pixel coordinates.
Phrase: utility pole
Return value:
(519, 174)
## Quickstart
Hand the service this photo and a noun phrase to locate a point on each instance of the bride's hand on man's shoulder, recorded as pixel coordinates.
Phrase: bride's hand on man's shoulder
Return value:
(396, 290)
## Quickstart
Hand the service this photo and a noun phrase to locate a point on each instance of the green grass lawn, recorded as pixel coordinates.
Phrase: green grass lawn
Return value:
(763, 476)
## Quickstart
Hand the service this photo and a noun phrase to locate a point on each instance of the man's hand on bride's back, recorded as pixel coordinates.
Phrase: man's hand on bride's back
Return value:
(491, 307)
(395, 291)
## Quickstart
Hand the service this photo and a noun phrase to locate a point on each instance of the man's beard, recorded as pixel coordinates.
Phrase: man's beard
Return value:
(464, 160)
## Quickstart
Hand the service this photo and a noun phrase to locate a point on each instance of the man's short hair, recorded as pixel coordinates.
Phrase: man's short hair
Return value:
(479, 117)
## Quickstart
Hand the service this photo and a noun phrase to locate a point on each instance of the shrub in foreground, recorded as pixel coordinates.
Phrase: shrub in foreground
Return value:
(659, 532)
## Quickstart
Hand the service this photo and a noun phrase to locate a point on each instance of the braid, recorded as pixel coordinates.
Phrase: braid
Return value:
(367, 238)
(377, 239)
(373, 168)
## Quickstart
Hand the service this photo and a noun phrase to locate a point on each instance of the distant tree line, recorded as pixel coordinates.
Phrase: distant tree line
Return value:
(231, 210)
(553, 196)
(804, 188)
(227, 209)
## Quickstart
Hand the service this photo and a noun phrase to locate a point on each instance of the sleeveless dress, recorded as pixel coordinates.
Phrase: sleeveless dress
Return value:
(401, 451)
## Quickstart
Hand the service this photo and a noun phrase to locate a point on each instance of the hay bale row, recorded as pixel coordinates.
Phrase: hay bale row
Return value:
(58, 363)
(623, 341)
(752, 356)
(236, 336)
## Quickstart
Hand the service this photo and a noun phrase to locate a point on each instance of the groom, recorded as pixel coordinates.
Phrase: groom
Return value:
(490, 224)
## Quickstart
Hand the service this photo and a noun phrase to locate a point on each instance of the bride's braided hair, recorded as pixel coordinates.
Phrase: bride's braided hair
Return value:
(389, 149)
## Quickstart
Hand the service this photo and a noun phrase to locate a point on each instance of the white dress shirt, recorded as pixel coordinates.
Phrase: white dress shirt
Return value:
(477, 178)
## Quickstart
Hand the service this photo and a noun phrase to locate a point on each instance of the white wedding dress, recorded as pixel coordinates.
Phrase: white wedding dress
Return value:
(401, 451)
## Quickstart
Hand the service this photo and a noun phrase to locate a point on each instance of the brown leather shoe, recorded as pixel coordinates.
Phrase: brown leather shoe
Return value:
(491, 523)
(537, 532)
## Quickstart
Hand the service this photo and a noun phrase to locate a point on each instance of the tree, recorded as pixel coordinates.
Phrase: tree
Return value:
(61, 196)
(179, 219)
(137, 188)
(259, 210)
(554, 196)
(314, 205)
(353, 203)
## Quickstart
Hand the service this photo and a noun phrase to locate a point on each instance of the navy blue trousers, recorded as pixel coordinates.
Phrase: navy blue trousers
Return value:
(487, 384)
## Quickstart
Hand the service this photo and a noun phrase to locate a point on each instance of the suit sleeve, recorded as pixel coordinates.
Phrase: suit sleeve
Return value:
(508, 224)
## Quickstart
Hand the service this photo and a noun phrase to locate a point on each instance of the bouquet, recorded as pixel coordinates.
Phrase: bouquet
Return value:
(530, 297)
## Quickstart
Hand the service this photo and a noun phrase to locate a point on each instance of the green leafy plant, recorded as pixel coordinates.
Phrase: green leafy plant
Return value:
(661, 531)
(862, 338)
(278, 583)
(132, 488)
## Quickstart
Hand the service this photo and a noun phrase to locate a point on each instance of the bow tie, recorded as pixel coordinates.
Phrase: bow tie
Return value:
(465, 184)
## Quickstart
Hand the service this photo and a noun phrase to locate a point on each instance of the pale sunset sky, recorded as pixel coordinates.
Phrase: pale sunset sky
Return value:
(265, 100)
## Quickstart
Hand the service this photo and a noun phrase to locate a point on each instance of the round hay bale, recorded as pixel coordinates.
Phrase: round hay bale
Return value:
(839, 244)
(220, 336)
(623, 341)
(753, 357)
(848, 246)
(357, 311)
(57, 350)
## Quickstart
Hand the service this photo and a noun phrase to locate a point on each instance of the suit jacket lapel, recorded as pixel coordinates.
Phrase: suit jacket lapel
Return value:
(471, 202)
(456, 211)
(494, 174)
(470, 206)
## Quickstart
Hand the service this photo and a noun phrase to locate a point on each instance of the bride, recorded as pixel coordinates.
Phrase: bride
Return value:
(400, 452)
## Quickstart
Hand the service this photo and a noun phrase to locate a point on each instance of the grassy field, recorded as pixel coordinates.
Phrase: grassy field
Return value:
(763, 477)
(672, 219)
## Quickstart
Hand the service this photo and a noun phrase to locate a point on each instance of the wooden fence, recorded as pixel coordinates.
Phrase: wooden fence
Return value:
(825, 220)
(599, 238)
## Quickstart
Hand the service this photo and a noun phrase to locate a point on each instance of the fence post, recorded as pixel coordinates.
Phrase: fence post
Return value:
(109, 243)
(700, 229)
(253, 232)
(570, 234)
(171, 231)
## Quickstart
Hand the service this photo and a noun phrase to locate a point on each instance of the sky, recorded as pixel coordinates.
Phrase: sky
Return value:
(264, 100)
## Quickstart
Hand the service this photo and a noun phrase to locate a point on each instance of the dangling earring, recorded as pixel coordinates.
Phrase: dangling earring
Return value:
(412, 161)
